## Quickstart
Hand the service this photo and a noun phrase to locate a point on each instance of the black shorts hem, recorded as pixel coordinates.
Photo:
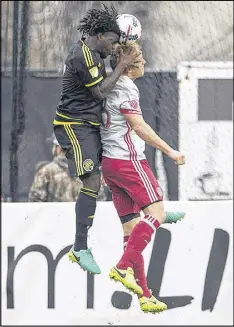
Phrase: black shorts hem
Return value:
(129, 217)
(146, 206)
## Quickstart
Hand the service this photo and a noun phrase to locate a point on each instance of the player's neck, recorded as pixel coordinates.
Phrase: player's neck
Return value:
(129, 76)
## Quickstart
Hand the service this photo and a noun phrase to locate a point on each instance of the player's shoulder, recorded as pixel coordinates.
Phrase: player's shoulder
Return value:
(126, 85)
(125, 81)
(75, 50)
(80, 52)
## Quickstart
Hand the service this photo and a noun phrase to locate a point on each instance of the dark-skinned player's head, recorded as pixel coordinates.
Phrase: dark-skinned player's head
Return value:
(102, 24)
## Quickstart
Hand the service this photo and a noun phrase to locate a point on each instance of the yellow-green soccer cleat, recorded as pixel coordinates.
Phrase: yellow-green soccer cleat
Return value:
(151, 304)
(126, 277)
(85, 259)
(173, 217)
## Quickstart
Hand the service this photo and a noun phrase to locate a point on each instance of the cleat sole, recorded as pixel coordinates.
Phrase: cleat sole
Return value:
(154, 311)
(182, 216)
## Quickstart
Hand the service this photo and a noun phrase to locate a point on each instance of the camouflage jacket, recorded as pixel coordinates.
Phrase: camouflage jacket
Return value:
(52, 182)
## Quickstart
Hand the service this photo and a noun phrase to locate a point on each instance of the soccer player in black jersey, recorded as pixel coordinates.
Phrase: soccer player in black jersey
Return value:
(78, 115)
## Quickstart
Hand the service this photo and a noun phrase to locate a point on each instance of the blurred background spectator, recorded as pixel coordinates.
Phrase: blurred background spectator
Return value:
(52, 181)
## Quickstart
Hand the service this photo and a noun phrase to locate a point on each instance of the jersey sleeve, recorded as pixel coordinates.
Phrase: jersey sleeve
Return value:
(90, 69)
(130, 102)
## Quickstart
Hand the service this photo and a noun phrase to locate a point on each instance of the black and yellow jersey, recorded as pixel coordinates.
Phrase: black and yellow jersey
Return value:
(83, 69)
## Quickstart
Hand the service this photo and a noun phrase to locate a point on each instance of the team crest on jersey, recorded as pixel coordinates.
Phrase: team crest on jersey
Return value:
(94, 72)
(133, 104)
(88, 165)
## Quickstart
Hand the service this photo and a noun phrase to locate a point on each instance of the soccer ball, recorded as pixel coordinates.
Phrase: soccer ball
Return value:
(130, 28)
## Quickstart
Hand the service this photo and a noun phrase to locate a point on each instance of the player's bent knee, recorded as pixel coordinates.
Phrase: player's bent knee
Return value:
(129, 222)
(156, 210)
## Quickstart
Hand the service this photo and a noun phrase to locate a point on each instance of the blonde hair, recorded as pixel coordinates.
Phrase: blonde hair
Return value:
(126, 48)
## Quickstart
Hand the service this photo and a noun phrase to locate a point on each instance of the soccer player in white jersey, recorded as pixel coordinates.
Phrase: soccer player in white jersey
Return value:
(133, 184)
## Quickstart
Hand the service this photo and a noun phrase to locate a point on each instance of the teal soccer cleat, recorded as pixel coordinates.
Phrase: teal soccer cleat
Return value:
(173, 217)
(85, 259)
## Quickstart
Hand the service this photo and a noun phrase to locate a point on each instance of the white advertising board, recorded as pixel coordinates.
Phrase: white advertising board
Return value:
(189, 264)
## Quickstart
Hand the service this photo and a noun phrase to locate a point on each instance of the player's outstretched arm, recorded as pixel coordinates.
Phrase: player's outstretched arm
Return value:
(146, 133)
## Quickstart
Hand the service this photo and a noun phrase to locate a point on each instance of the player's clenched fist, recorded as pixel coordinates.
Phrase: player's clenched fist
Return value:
(177, 156)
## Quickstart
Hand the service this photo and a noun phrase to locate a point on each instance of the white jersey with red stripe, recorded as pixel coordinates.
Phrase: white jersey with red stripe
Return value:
(118, 139)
